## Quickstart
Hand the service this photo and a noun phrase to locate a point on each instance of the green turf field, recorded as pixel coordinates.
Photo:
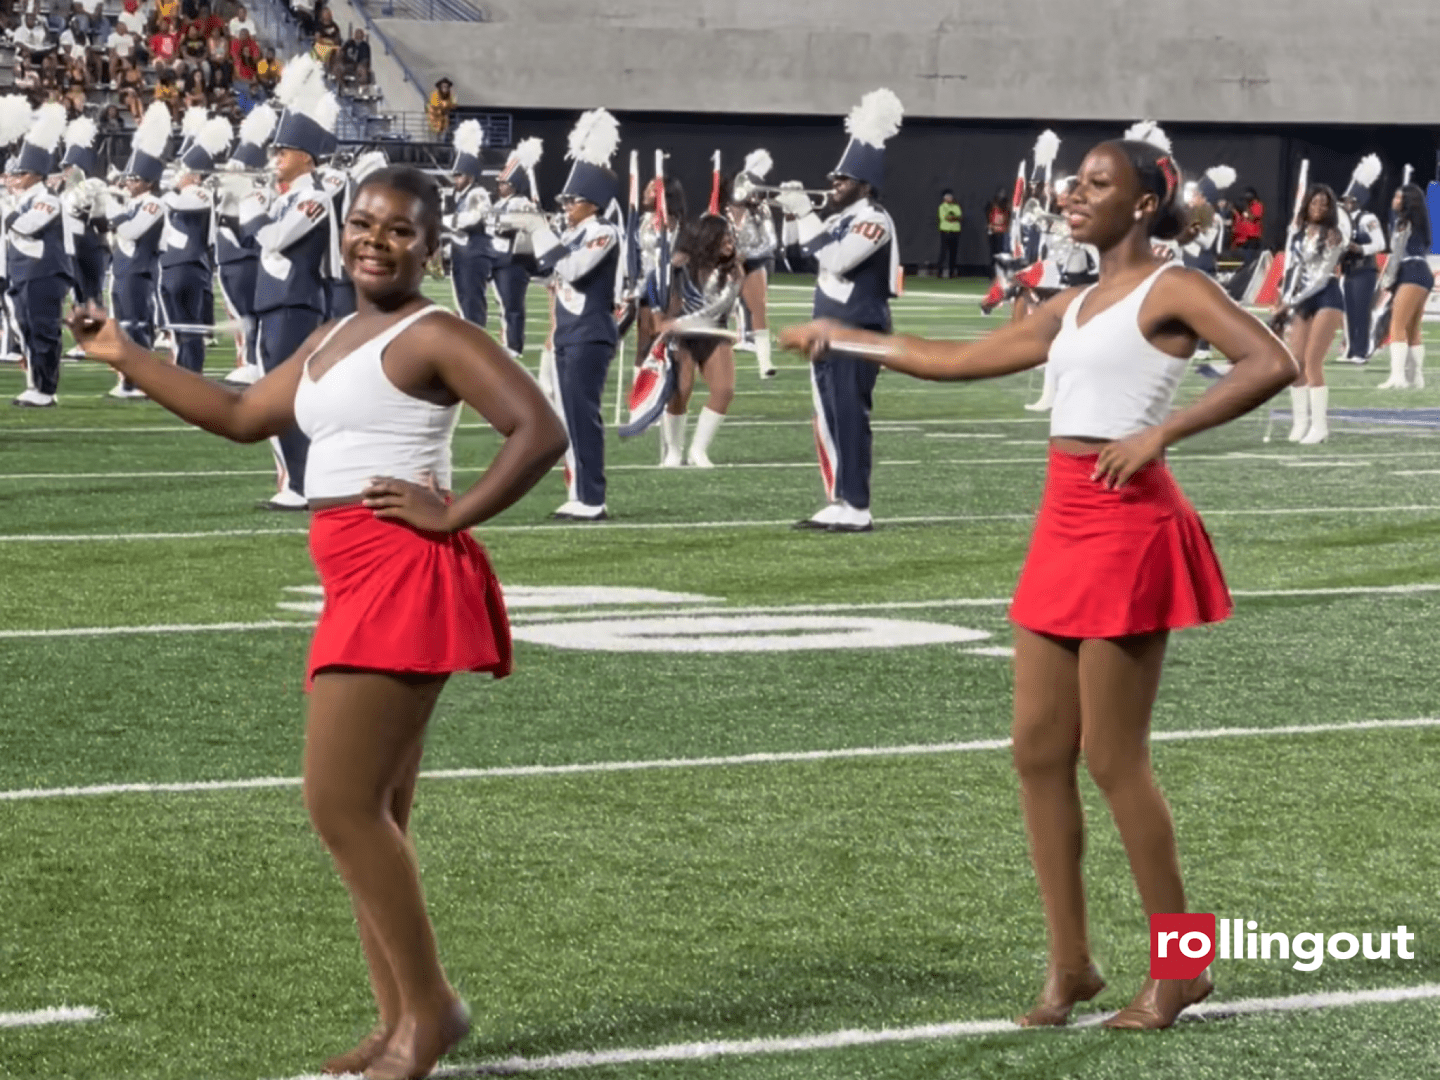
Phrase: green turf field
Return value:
(154, 630)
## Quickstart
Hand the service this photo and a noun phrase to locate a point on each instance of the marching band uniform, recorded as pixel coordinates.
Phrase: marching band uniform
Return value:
(237, 252)
(472, 251)
(339, 289)
(1202, 251)
(859, 261)
(15, 119)
(39, 257)
(585, 261)
(84, 206)
(298, 247)
(187, 295)
(513, 249)
(1359, 269)
(135, 230)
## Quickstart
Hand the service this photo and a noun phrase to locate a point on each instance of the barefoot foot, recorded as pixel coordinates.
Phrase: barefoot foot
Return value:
(419, 1043)
(354, 1062)
(1062, 990)
(1160, 1001)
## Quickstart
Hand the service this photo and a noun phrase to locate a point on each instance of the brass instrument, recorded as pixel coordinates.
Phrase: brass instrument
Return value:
(747, 189)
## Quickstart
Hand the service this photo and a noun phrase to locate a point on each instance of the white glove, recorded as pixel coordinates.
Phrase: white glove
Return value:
(793, 200)
(522, 221)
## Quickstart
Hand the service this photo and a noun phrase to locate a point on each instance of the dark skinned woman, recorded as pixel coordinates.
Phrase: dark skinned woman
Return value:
(409, 595)
(1119, 558)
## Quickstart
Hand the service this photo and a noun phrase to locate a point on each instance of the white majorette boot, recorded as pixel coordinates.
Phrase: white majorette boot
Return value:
(1398, 353)
(1319, 416)
(1300, 409)
(762, 354)
(1415, 373)
(672, 439)
(705, 429)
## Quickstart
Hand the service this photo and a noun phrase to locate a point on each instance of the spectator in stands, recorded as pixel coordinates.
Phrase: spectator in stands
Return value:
(100, 24)
(209, 22)
(135, 20)
(56, 21)
(164, 43)
(242, 21)
(111, 121)
(122, 45)
(1249, 224)
(32, 40)
(131, 84)
(78, 20)
(197, 93)
(168, 91)
(326, 47)
(997, 225)
(217, 60)
(355, 60)
(244, 55)
(442, 104)
(304, 12)
(167, 11)
(194, 49)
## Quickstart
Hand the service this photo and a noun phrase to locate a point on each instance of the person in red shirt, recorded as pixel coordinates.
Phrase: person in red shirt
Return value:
(164, 43)
(245, 54)
(207, 22)
(1249, 221)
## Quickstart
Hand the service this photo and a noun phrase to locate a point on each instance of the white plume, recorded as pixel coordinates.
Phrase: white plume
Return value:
(1222, 176)
(758, 163)
(154, 130)
(1046, 147)
(1367, 172)
(258, 125)
(193, 120)
(325, 111)
(876, 119)
(594, 138)
(1409, 172)
(47, 127)
(1148, 131)
(367, 163)
(468, 137)
(81, 132)
(298, 79)
(527, 154)
(15, 118)
(215, 136)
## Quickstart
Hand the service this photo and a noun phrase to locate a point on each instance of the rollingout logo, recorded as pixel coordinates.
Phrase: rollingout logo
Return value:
(1182, 946)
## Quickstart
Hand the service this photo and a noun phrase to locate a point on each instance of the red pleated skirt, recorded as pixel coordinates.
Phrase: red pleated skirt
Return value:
(400, 599)
(1109, 563)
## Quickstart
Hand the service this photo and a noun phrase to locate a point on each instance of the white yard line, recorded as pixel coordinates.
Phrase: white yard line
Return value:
(159, 628)
(39, 1017)
(917, 750)
(648, 526)
(960, 1029)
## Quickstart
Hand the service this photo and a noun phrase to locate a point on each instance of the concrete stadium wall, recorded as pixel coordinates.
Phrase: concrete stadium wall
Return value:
(1277, 61)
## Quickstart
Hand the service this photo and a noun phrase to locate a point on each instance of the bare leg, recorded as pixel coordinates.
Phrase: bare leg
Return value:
(363, 739)
(1118, 682)
(1406, 314)
(1323, 328)
(1296, 338)
(1046, 734)
(719, 376)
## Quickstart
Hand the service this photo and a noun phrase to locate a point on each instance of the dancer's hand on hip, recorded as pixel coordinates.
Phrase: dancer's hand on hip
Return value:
(423, 505)
(1123, 458)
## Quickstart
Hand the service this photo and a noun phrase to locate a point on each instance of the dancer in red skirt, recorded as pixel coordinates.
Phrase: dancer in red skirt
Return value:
(1119, 558)
(409, 594)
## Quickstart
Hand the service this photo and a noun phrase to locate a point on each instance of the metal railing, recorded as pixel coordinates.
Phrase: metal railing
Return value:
(415, 127)
(432, 10)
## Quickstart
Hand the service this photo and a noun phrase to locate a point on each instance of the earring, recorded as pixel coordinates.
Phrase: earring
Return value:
(1138, 215)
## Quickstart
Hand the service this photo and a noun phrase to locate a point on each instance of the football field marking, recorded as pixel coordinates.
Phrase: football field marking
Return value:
(852, 1037)
(41, 1017)
(762, 758)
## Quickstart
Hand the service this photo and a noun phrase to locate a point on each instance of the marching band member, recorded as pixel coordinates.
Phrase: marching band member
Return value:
(1358, 268)
(859, 260)
(298, 241)
(335, 181)
(1311, 302)
(39, 257)
(584, 261)
(1410, 283)
(1201, 241)
(135, 230)
(237, 252)
(1063, 264)
(514, 251)
(472, 250)
(16, 117)
(705, 284)
(84, 205)
(187, 297)
(755, 236)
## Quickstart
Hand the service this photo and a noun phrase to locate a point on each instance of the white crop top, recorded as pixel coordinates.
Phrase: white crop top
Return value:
(1109, 380)
(361, 425)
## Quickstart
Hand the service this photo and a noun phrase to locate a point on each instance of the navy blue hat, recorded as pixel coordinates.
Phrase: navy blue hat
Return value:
(32, 159)
(208, 144)
(596, 184)
(469, 137)
(147, 147)
(870, 124)
(251, 155)
(80, 138)
(297, 131)
(38, 152)
(1363, 179)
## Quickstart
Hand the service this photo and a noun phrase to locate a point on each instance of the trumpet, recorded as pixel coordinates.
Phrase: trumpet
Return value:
(747, 189)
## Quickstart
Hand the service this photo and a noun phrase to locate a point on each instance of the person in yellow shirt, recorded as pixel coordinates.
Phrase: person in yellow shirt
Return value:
(168, 9)
(442, 104)
(948, 265)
